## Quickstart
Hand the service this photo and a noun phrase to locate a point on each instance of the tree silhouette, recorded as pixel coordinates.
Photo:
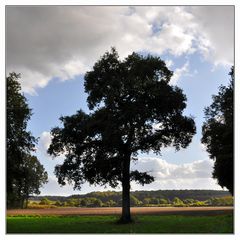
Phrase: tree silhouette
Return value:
(218, 134)
(25, 175)
(132, 109)
(34, 176)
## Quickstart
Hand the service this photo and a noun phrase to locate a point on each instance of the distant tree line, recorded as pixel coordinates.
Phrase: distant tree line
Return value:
(160, 198)
(135, 202)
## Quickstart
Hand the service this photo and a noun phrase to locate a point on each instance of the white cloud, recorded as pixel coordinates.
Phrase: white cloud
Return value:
(203, 147)
(42, 147)
(179, 41)
(216, 24)
(179, 72)
(195, 175)
(44, 42)
(53, 188)
(172, 184)
(169, 63)
(44, 142)
(161, 169)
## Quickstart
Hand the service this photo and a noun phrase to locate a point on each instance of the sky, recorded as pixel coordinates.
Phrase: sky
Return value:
(53, 47)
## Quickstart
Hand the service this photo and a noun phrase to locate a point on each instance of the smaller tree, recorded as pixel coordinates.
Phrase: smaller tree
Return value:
(154, 200)
(110, 203)
(25, 174)
(146, 200)
(44, 201)
(189, 201)
(97, 203)
(71, 202)
(34, 176)
(163, 201)
(177, 202)
(19, 142)
(218, 134)
(58, 203)
(134, 201)
(83, 202)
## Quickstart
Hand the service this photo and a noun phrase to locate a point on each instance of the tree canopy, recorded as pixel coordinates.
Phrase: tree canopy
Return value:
(24, 172)
(34, 177)
(217, 133)
(132, 109)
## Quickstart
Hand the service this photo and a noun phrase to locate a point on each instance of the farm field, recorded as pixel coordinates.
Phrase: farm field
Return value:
(99, 220)
(117, 210)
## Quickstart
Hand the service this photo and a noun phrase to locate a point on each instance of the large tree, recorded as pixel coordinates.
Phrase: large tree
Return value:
(217, 133)
(132, 109)
(20, 142)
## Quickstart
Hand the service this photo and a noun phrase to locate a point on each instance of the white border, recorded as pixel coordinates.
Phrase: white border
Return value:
(119, 2)
(3, 3)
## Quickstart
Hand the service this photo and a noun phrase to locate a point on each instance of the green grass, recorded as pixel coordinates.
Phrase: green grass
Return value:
(107, 224)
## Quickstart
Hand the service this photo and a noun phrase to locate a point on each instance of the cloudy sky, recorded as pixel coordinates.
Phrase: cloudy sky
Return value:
(53, 46)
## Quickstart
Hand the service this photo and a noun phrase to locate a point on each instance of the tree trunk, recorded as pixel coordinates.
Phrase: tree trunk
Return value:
(126, 215)
(26, 205)
(22, 202)
(10, 201)
(20, 198)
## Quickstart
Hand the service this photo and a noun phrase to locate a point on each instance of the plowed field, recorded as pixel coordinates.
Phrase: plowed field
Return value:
(117, 211)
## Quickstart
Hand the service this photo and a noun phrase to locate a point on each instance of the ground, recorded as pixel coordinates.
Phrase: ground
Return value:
(104, 220)
(117, 210)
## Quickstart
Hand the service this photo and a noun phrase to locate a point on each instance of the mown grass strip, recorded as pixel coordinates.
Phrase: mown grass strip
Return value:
(107, 224)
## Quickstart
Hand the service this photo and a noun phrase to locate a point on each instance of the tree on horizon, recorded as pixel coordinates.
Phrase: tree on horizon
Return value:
(133, 109)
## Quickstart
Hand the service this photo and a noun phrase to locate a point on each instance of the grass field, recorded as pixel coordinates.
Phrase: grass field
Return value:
(108, 224)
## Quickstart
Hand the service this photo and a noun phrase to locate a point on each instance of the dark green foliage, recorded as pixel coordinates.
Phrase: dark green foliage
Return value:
(110, 203)
(72, 202)
(201, 195)
(127, 99)
(34, 176)
(141, 178)
(134, 201)
(44, 201)
(189, 201)
(97, 203)
(177, 202)
(83, 202)
(58, 203)
(163, 201)
(154, 200)
(25, 175)
(104, 196)
(92, 202)
(224, 201)
(218, 134)
(146, 201)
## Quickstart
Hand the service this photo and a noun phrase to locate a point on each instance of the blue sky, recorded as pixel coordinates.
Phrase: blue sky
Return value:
(53, 54)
